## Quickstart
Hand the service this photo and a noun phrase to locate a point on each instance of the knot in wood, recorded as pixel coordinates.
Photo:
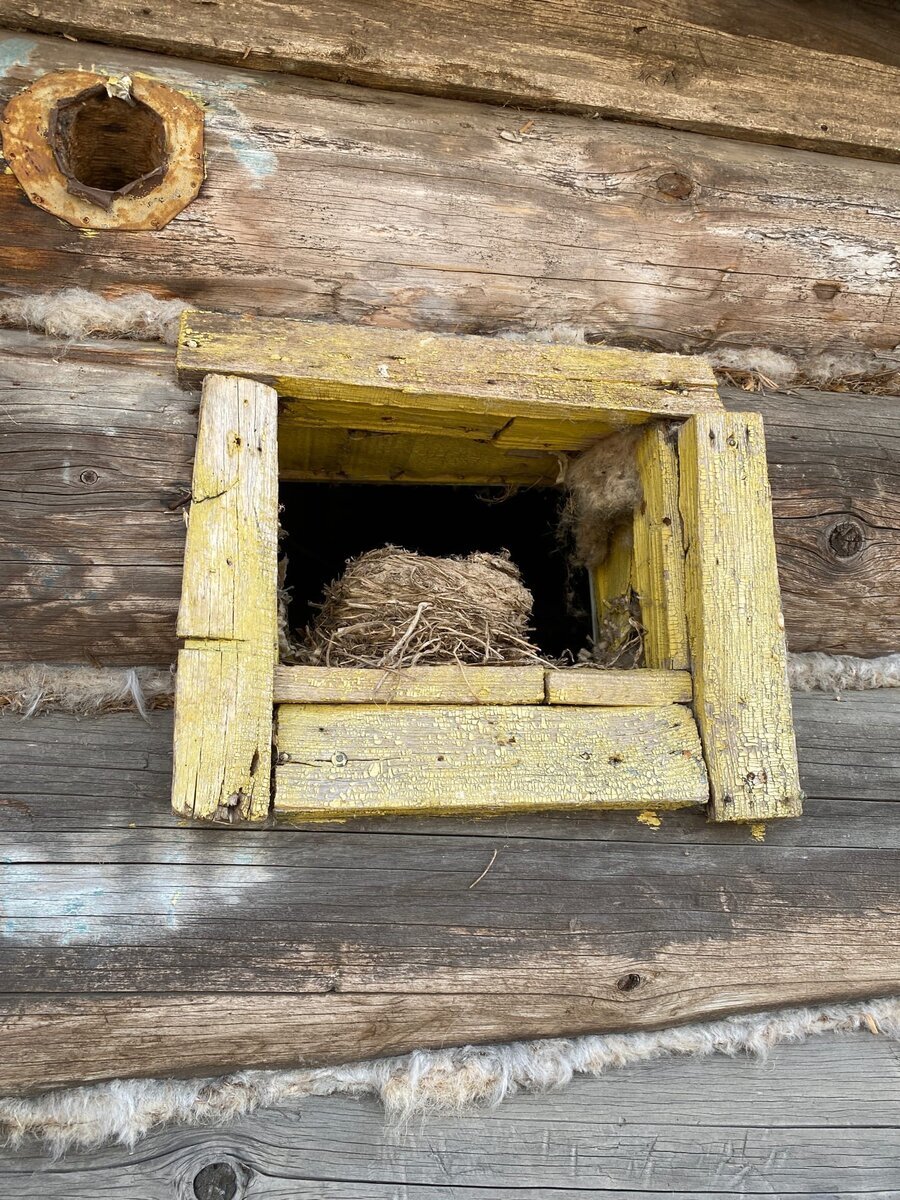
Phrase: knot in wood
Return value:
(847, 539)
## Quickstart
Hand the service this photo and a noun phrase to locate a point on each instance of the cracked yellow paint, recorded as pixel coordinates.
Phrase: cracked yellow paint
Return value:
(228, 613)
(758, 831)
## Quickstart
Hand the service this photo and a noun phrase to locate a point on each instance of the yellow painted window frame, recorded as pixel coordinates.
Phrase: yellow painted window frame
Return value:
(707, 720)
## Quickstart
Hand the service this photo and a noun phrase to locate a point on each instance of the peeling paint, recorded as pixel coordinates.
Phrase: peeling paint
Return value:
(247, 146)
(15, 52)
(758, 831)
(649, 818)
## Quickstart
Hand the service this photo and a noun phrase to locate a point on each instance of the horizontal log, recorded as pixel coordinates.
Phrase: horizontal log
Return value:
(696, 1126)
(378, 208)
(154, 952)
(636, 61)
(96, 468)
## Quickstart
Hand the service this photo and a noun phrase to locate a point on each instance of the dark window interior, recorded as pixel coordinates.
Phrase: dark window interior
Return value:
(327, 523)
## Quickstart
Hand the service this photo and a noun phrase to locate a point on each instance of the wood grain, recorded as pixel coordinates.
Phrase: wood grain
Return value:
(658, 555)
(375, 208)
(153, 948)
(450, 683)
(521, 396)
(635, 61)
(338, 761)
(228, 614)
(98, 446)
(734, 621)
(815, 1120)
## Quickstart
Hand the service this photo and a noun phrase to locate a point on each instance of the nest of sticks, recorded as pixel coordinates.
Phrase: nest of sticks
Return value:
(394, 608)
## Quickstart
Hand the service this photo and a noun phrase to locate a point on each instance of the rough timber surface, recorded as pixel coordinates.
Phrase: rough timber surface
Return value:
(346, 204)
(155, 948)
(667, 64)
(813, 1122)
(98, 445)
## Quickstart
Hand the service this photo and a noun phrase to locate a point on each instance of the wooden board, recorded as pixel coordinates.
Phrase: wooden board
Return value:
(519, 395)
(449, 684)
(158, 949)
(406, 211)
(658, 557)
(229, 609)
(308, 452)
(734, 621)
(93, 566)
(339, 761)
(640, 687)
(638, 61)
(815, 1120)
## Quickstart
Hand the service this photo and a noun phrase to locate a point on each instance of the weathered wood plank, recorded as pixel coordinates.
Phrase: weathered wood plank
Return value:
(448, 684)
(341, 761)
(97, 453)
(93, 566)
(229, 608)
(658, 559)
(734, 619)
(636, 61)
(308, 452)
(645, 686)
(815, 1120)
(416, 213)
(341, 943)
(519, 395)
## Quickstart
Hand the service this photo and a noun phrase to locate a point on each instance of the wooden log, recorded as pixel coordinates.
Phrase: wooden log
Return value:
(694, 1126)
(734, 619)
(229, 611)
(417, 213)
(94, 564)
(618, 687)
(446, 684)
(516, 395)
(637, 61)
(154, 953)
(658, 558)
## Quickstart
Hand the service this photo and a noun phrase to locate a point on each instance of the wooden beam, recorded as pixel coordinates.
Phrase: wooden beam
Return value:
(618, 687)
(521, 395)
(734, 619)
(339, 761)
(310, 453)
(152, 953)
(640, 62)
(413, 212)
(93, 565)
(446, 684)
(658, 566)
(228, 613)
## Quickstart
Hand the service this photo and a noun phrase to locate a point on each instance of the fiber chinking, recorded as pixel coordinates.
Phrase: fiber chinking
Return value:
(394, 608)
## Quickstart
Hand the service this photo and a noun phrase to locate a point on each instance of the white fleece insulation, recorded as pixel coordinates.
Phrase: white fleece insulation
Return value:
(77, 313)
(426, 1082)
(33, 688)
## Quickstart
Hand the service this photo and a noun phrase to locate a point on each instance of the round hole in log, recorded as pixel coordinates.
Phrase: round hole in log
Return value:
(107, 147)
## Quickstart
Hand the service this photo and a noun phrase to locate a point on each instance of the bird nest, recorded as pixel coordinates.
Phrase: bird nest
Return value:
(394, 608)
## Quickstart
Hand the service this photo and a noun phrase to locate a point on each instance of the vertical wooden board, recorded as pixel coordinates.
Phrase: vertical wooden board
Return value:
(224, 695)
(223, 733)
(658, 571)
(735, 626)
(230, 557)
(611, 591)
